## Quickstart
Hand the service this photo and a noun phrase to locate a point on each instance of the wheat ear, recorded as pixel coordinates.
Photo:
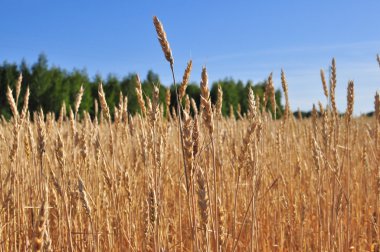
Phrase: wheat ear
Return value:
(78, 99)
(161, 34)
(219, 102)
(12, 103)
(272, 94)
(103, 103)
(350, 101)
(18, 87)
(285, 88)
(252, 104)
(188, 142)
(333, 86)
(139, 94)
(324, 84)
(185, 80)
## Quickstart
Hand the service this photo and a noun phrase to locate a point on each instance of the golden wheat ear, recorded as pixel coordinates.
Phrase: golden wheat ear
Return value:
(18, 87)
(350, 100)
(185, 80)
(12, 103)
(78, 99)
(163, 40)
(324, 84)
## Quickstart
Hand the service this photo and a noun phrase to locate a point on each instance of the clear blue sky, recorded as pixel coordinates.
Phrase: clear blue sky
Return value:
(239, 39)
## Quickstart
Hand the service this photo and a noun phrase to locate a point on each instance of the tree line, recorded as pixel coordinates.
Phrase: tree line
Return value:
(50, 87)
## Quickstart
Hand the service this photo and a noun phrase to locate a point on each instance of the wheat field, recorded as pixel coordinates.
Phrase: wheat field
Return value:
(190, 180)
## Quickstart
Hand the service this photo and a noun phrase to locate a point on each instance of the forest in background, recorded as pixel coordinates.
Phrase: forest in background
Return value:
(50, 87)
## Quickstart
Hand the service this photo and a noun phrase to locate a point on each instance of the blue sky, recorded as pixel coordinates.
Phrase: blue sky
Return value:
(239, 39)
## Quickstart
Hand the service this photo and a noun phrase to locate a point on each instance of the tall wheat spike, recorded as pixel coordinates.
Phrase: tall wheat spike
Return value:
(188, 141)
(103, 103)
(350, 101)
(285, 88)
(12, 103)
(18, 87)
(139, 93)
(78, 99)
(163, 40)
(205, 93)
(185, 80)
(332, 87)
(252, 104)
(324, 84)
(219, 102)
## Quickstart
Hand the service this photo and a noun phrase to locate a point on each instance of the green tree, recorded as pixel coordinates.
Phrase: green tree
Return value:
(40, 83)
